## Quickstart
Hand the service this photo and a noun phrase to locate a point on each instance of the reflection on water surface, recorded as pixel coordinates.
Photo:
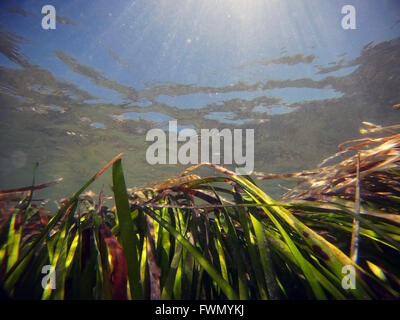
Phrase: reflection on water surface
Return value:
(74, 97)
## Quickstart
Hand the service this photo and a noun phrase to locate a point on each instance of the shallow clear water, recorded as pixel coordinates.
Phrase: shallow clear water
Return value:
(73, 97)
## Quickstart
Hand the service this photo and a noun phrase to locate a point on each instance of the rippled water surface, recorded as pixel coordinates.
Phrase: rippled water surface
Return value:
(73, 97)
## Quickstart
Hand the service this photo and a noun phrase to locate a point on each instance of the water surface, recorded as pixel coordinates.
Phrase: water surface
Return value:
(74, 97)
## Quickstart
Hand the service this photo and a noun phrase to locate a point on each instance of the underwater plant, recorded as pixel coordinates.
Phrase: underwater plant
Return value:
(215, 237)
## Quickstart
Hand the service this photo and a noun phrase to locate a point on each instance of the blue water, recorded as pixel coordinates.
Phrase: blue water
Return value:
(74, 97)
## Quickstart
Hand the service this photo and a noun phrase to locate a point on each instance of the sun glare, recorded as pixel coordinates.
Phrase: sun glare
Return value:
(241, 9)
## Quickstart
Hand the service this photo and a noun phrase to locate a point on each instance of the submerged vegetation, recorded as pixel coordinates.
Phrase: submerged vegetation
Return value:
(217, 236)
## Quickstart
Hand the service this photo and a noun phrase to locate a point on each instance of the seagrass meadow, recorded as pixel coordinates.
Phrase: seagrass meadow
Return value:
(334, 235)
